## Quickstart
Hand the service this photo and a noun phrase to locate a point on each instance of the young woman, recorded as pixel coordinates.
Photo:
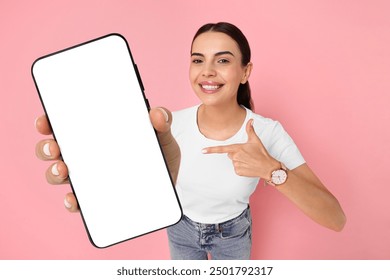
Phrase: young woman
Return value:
(223, 149)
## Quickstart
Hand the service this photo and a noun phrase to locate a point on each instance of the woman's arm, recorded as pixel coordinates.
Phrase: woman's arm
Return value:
(307, 192)
(302, 187)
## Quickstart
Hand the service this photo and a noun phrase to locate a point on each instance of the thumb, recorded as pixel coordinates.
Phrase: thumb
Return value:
(161, 119)
(252, 136)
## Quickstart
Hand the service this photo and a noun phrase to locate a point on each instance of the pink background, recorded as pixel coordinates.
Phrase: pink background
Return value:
(322, 68)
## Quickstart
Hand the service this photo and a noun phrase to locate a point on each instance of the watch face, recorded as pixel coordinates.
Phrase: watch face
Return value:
(279, 176)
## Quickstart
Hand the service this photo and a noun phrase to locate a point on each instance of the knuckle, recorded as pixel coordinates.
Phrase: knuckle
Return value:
(56, 175)
(50, 178)
(236, 156)
(237, 166)
(47, 150)
(39, 151)
(238, 171)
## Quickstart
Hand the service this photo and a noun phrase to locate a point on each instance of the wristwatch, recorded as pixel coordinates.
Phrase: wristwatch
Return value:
(278, 176)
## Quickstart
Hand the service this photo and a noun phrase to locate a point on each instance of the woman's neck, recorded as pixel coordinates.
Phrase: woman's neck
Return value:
(220, 123)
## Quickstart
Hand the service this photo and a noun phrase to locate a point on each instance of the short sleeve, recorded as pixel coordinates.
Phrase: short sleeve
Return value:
(280, 145)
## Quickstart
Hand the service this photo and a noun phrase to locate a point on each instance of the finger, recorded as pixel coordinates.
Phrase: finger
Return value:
(221, 149)
(252, 136)
(70, 203)
(161, 119)
(47, 150)
(42, 125)
(57, 173)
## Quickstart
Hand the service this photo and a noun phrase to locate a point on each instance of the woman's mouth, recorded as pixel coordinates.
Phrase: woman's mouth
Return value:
(210, 87)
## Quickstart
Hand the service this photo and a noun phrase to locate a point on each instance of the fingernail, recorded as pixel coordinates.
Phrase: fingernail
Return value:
(67, 204)
(46, 149)
(54, 170)
(252, 121)
(35, 122)
(204, 151)
(165, 114)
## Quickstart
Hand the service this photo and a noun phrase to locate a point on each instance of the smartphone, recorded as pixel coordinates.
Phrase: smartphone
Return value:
(94, 99)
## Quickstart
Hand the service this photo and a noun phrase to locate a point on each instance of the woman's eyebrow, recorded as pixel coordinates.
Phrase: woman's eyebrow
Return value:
(223, 53)
(217, 54)
(197, 54)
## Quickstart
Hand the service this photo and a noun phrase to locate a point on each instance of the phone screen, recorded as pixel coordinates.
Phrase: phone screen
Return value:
(93, 97)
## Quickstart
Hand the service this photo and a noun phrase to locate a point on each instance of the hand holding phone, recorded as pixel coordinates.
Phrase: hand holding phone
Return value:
(93, 97)
(48, 150)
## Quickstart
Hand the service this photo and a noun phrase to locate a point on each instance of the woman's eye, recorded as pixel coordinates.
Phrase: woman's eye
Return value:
(223, 61)
(196, 61)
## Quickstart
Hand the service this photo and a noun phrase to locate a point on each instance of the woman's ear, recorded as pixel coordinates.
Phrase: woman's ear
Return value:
(247, 73)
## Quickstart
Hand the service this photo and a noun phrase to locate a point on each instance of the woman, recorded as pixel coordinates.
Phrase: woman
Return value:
(225, 149)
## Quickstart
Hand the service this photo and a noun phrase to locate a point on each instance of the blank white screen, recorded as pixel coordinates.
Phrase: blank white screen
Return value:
(97, 110)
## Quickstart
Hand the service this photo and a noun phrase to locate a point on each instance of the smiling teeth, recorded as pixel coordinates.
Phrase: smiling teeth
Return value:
(209, 87)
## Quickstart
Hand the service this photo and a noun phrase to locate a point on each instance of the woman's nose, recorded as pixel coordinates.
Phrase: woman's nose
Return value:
(208, 70)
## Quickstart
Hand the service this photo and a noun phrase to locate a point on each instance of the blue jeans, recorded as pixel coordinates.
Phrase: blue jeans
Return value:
(230, 240)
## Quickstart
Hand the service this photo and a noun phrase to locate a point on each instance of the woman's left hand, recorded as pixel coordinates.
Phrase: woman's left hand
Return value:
(303, 187)
(250, 159)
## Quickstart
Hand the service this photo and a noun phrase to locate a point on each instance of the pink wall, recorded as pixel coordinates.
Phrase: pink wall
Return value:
(321, 67)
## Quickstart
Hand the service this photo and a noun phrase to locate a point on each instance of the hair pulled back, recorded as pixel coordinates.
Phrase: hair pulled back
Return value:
(244, 92)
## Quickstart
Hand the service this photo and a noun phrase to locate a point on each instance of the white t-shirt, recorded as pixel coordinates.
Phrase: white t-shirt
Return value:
(208, 188)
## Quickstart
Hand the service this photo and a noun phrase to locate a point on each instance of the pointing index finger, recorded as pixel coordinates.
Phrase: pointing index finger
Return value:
(220, 149)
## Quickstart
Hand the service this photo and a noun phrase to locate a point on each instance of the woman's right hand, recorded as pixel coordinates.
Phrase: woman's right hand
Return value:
(57, 173)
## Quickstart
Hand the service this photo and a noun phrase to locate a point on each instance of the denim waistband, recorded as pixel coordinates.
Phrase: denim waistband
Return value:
(218, 226)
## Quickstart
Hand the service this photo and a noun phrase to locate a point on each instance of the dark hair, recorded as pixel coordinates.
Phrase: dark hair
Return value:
(244, 92)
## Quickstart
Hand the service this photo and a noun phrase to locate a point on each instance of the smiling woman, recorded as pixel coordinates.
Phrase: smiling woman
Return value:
(226, 149)
(223, 149)
(235, 53)
(216, 73)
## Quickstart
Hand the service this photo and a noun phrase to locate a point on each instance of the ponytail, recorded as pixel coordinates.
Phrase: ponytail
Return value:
(244, 96)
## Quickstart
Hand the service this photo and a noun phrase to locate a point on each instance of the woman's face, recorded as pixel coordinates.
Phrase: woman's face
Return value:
(216, 70)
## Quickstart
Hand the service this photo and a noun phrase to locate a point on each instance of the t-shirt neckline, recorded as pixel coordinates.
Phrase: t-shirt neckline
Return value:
(230, 139)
